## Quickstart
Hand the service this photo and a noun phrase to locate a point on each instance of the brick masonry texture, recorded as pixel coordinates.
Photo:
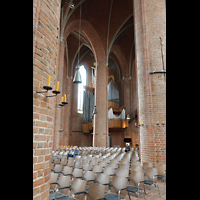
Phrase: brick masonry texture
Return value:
(46, 22)
(55, 44)
(150, 24)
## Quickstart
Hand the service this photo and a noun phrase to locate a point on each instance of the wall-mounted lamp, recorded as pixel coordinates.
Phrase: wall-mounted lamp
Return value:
(64, 102)
(157, 123)
(128, 117)
(139, 124)
(55, 91)
(47, 88)
(95, 110)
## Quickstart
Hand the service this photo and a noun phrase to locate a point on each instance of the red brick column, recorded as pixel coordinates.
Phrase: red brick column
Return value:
(58, 111)
(46, 18)
(149, 25)
(67, 123)
(100, 129)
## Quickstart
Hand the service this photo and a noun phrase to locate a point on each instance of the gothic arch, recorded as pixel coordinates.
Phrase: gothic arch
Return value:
(91, 35)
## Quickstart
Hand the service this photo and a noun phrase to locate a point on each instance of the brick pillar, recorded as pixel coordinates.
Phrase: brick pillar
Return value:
(67, 123)
(155, 14)
(46, 17)
(149, 26)
(100, 129)
(59, 111)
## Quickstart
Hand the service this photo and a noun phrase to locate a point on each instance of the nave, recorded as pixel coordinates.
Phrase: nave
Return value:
(99, 79)
(105, 173)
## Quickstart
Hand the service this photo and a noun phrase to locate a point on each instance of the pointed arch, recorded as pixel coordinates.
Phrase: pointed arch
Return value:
(92, 36)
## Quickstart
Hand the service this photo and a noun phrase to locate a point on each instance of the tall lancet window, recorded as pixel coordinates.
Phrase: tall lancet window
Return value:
(81, 89)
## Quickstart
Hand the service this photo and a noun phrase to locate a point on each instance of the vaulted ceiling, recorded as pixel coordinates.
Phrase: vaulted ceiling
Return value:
(112, 20)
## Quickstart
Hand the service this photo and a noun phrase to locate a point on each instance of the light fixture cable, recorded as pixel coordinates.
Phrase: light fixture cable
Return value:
(77, 77)
(79, 43)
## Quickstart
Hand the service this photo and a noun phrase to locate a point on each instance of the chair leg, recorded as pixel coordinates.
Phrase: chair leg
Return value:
(129, 196)
(119, 195)
(164, 183)
(153, 193)
(158, 190)
(144, 196)
(144, 190)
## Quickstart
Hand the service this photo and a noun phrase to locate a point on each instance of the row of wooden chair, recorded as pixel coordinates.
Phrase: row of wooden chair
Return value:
(68, 187)
(84, 151)
(102, 160)
(115, 160)
(88, 164)
(113, 164)
(118, 187)
(136, 183)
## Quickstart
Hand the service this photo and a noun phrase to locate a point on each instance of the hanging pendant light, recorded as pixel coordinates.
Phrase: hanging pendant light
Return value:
(128, 117)
(71, 5)
(77, 76)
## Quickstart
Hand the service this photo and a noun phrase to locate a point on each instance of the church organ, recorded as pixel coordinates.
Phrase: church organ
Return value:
(116, 115)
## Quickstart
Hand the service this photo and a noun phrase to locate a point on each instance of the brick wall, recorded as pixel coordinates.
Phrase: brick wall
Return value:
(46, 21)
(155, 15)
(155, 12)
(150, 24)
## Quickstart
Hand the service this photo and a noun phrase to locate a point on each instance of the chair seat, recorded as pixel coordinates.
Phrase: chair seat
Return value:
(112, 196)
(52, 195)
(160, 176)
(131, 188)
(149, 182)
